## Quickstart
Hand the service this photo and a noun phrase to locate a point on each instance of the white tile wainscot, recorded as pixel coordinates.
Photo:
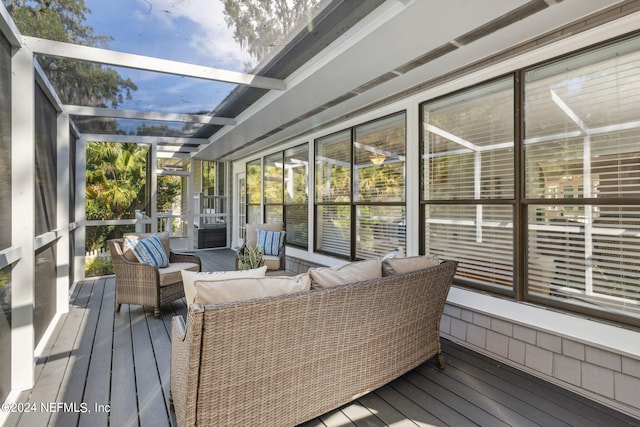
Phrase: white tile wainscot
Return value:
(594, 359)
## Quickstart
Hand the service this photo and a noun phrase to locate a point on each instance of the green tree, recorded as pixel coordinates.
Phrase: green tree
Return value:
(76, 82)
(116, 180)
(261, 25)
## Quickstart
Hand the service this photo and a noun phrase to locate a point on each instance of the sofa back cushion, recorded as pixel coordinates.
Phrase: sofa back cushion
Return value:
(391, 266)
(127, 251)
(326, 277)
(240, 289)
(189, 279)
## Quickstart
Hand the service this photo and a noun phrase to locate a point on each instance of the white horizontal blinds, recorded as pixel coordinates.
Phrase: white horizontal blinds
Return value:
(296, 194)
(333, 228)
(597, 263)
(333, 193)
(582, 127)
(468, 155)
(254, 191)
(297, 226)
(380, 228)
(468, 144)
(479, 237)
(379, 164)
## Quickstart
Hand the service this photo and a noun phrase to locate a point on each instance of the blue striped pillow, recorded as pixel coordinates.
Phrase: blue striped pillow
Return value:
(270, 241)
(149, 251)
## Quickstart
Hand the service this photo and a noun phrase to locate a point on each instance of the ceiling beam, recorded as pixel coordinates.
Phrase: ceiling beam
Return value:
(140, 62)
(138, 139)
(147, 115)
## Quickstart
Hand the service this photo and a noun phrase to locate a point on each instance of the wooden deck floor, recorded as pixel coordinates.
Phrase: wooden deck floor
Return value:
(106, 369)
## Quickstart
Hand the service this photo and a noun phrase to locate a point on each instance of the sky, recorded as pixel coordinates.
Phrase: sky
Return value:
(191, 31)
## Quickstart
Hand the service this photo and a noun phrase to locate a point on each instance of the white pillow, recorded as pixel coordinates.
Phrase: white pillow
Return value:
(190, 277)
(325, 277)
(240, 289)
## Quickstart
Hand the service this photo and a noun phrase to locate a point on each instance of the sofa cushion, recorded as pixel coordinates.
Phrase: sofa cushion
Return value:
(391, 266)
(231, 290)
(127, 252)
(149, 250)
(326, 277)
(270, 241)
(173, 272)
(272, 262)
(189, 278)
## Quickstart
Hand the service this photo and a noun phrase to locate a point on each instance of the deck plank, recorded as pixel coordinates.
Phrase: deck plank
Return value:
(98, 381)
(124, 405)
(152, 408)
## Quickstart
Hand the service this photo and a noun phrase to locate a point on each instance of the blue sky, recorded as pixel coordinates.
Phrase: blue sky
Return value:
(191, 31)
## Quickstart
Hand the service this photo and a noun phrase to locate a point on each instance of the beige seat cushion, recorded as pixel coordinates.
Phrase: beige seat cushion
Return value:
(325, 277)
(127, 252)
(173, 272)
(391, 266)
(189, 278)
(272, 262)
(232, 290)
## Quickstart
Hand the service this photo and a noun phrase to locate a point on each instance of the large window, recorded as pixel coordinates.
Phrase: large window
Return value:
(360, 189)
(582, 164)
(468, 182)
(550, 210)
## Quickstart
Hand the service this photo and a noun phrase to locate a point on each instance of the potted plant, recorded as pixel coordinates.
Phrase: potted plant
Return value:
(250, 257)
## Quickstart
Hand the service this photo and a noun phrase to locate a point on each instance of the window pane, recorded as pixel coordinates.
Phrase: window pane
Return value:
(296, 174)
(254, 184)
(46, 163)
(468, 144)
(254, 215)
(582, 129)
(333, 168)
(479, 237)
(589, 259)
(297, 226)
(380, 160)
(273, 213)
(273, 178)
(379, 229)
(334, 229)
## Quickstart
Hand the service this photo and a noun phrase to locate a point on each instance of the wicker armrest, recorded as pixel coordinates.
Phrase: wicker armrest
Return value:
(180, 257)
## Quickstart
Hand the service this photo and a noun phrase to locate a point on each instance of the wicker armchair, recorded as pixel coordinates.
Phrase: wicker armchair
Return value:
(144, 284)
(271, 261)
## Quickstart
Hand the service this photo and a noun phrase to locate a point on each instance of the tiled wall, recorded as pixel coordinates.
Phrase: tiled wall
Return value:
(596, 373)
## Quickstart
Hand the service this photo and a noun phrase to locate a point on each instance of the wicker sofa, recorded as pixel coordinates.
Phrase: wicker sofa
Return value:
(283, 360)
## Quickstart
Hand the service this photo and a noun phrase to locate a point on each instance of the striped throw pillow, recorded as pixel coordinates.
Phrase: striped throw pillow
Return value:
(270, 241)
(149, 251)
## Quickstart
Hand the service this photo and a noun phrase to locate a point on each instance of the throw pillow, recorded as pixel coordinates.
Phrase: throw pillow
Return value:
(393, 266)
(241, 289)
(270, 241)
(149, 251)
(190, 277)
(326, 277)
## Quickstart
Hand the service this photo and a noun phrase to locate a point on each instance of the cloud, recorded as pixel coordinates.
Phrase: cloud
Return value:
(202, 24)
